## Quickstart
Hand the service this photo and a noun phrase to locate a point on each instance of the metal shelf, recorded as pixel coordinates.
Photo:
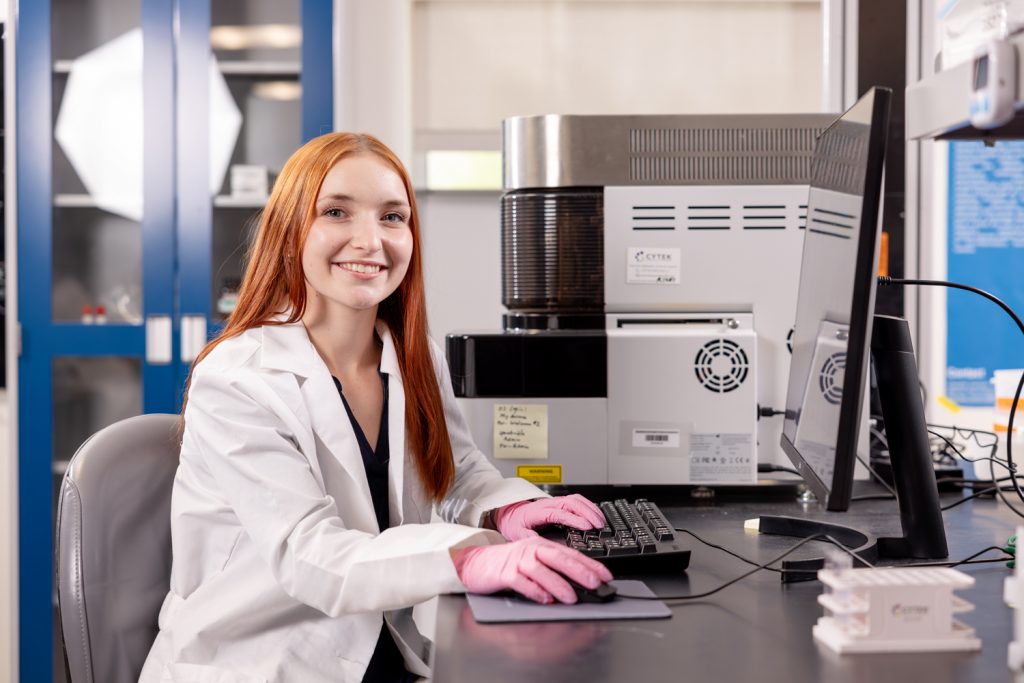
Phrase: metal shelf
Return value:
(226, 201)
(77, 201)
(84, 201)
(939, 106)
(254, 68)
(228, 68)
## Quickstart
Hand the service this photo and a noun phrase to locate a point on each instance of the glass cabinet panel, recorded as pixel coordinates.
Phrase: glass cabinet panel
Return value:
(256, 46)
(97, 161)
(90, 393)
(97, 276)
(95, 256)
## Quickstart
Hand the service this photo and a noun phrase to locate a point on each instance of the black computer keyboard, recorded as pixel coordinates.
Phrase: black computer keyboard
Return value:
(636, 539)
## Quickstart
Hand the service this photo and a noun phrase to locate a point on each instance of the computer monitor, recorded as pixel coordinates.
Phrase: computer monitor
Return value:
(837, 340)
(835, 300)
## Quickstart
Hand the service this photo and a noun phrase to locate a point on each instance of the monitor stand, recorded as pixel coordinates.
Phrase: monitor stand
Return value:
(865, 545)
(924, 536)
(899, 390)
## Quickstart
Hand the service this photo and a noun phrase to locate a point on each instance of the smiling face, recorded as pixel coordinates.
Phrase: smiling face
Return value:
(360, 243)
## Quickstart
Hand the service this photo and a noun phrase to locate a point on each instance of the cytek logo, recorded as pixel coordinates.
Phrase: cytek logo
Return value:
(911, 611)
(642, 256)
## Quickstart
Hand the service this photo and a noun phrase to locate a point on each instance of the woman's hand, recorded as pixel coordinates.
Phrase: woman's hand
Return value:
(519, 520)
(533, 567)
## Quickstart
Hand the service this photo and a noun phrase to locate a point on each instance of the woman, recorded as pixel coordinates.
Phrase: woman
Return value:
(320, 431)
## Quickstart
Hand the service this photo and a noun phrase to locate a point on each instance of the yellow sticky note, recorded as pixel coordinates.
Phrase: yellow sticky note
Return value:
(540, 474)
(520, 431)
(948, 403)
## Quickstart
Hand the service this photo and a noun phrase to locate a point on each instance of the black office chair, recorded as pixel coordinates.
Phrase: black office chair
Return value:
(113, 554)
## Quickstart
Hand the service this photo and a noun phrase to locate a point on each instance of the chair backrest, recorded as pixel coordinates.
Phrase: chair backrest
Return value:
(114, 547)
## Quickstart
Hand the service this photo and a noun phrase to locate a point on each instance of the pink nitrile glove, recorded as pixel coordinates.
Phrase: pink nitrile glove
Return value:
(533, 567)
(518, 520)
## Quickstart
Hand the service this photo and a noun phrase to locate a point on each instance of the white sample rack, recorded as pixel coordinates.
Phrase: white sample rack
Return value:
(1013, 594)
(894, 610)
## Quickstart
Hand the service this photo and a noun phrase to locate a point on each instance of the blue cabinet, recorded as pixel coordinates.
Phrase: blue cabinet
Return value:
(118, 280)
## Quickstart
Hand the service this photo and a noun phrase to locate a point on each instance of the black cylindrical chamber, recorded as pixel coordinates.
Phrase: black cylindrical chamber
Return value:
(552, 250)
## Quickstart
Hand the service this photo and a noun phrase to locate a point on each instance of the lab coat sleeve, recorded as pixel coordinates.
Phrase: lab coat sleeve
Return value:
(235, 429)
(478, 486)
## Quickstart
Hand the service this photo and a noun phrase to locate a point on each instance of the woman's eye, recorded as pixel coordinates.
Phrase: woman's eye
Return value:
(334, 213)
(394, 217)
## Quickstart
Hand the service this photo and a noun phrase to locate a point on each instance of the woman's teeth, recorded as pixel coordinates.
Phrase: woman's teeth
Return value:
(360, 268)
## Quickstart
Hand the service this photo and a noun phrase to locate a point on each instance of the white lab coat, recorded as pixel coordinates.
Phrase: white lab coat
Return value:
(280, 572)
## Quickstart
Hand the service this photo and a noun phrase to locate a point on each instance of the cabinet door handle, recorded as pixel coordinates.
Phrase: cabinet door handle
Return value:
(193, 336)
(158, 339)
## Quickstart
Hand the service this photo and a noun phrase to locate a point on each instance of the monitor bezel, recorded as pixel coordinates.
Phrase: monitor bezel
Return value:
(837, 496)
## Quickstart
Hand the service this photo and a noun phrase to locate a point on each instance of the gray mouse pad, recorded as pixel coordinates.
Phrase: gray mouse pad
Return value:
(488, 609)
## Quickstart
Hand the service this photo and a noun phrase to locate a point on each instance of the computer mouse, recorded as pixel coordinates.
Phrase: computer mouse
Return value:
(603, 593)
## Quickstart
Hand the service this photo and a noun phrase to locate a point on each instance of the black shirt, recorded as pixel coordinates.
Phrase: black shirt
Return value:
(386, 664)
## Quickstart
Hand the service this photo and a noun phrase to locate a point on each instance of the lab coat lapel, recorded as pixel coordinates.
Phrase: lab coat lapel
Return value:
(396, 424)
(288, 348)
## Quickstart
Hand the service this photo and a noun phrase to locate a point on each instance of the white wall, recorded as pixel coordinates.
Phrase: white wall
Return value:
(372, 43)
(462, 261)
(475, 63)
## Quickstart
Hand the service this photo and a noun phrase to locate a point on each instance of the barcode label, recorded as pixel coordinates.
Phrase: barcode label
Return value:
(655, 438)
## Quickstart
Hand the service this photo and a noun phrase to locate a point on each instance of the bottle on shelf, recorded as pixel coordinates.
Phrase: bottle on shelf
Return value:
(228, 298)
(87, 316)
(101, 315)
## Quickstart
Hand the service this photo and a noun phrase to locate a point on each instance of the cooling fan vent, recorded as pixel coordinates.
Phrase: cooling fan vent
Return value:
(831, 378)
(721, 366)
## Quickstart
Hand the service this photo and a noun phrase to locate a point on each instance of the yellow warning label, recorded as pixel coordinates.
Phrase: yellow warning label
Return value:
(540, 474)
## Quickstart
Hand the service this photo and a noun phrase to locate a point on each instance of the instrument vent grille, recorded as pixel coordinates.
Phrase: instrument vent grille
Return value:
(721, 155)
(721, 366)
(830, 380)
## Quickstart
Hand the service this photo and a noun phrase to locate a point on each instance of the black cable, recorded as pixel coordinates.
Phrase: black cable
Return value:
(876, 475)
(824, 537)
(828, 538)
(964, 483)
(973, 496)
(768, 467)
(961, 501)
(966, 560)
(727, 551)
(1006, 501)
(885, 280)
(971, 434)
(998, 461)
(725, 585)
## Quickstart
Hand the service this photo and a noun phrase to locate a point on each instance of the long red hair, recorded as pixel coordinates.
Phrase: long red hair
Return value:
(274, 282)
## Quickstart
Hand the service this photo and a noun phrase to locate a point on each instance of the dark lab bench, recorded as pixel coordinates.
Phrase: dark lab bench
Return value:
(756, 630)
